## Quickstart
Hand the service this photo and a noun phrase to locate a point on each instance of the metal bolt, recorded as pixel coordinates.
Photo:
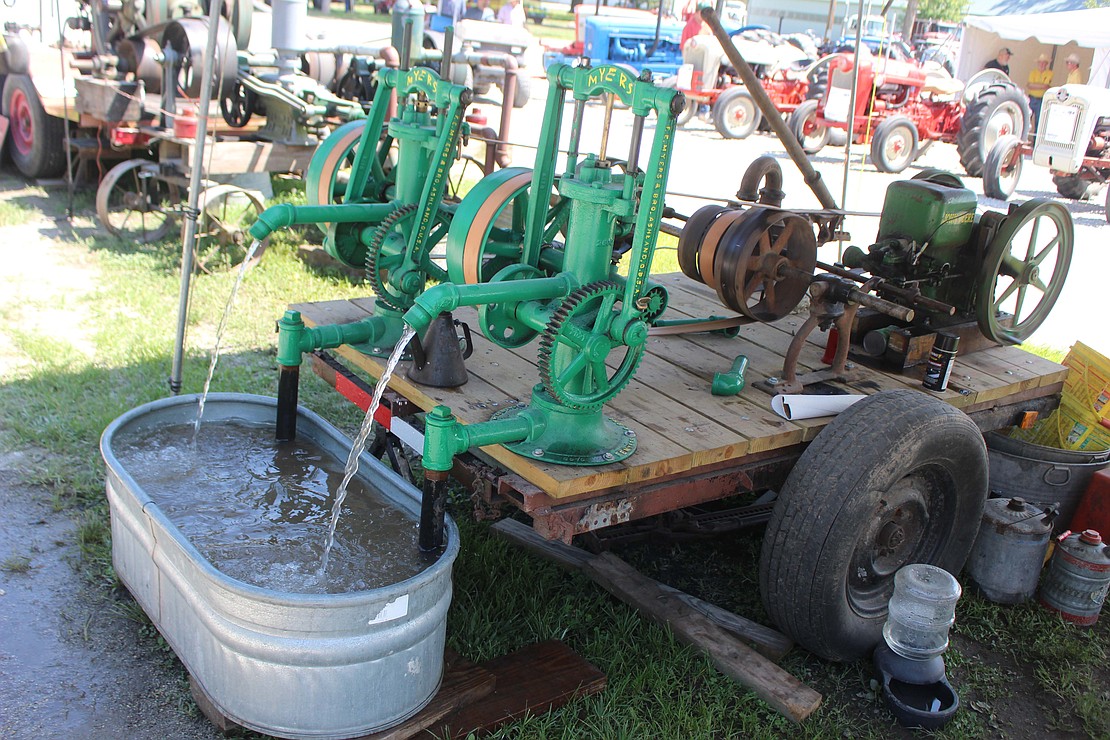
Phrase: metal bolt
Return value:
(772, 380)
(1008, 372)
(608, 455)
(481, 405)
(965, 392)
(494, 403)
(745, 418)
(538, 452)
(629, 433)
(849, 366)
(494, 364)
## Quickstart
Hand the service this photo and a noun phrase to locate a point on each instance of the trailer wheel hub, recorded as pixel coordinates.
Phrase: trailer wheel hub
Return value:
(23, 128)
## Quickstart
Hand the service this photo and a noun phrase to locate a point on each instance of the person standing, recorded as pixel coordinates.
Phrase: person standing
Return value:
(452, 9)
(1075, 77)
(1040, 79)
(512, 13)
(1002, 61)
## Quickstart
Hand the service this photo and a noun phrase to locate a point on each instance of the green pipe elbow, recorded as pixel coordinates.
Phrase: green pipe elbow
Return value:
(273, 218)
(449, 296)
(445, 437)
(295, 339)
(732, 382)
(284, 215)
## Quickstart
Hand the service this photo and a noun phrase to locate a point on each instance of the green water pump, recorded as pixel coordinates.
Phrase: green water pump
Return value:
(591, 322)
(385, 218)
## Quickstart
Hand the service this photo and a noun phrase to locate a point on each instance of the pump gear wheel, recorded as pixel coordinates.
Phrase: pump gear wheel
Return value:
(377, 263)
(582, 323)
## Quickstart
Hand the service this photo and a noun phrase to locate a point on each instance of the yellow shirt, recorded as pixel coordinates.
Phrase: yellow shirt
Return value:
(1074, 77)
(1037, 77)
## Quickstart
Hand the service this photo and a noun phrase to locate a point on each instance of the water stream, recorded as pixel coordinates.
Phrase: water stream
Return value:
(360, 441)
(220, 334)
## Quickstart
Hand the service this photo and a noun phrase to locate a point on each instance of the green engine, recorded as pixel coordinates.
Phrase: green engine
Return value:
(926, 241)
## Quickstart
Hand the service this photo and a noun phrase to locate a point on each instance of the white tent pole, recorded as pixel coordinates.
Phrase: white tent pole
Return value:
(191, 212)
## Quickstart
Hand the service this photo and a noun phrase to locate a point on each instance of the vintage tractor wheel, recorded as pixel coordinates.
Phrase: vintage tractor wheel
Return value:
(188, 38)
(898, 478)
(222, 238)
(999, 109)
(1072, 186)
(735, 114)
(818, 79)
(894, 145)
(803, 123)
(940, 177)
(135, 203)
(687, 113)
(1002, 170)
(37, 139)
(1024, 270)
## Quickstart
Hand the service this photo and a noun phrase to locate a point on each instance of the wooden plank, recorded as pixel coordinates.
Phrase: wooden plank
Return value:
(533, 680)
(770, 643)
(238, 157)
(785, 693)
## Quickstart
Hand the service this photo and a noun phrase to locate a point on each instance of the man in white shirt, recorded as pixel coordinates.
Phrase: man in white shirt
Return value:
(512, 13)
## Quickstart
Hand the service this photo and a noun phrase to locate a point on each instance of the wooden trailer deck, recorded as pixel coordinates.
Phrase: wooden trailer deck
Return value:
(693, 446)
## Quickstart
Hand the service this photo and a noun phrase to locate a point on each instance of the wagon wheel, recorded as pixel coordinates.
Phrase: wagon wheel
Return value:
(1024, 271)
(487, 230)
(222, 238)
(135, 203)
(762, 254)
(581, 378)
(1002, 170)
(898, 478)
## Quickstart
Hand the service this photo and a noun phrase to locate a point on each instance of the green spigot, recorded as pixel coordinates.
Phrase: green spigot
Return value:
(732, 382)
(295, 339)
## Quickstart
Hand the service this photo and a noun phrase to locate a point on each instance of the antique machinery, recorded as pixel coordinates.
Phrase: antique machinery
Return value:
(592, 323)
(388, 220)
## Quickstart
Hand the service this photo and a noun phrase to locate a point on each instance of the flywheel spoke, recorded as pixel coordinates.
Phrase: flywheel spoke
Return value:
(1044, 252)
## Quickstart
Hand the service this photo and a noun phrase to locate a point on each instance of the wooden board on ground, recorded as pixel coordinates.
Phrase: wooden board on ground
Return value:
(533, 680)
(681, 427)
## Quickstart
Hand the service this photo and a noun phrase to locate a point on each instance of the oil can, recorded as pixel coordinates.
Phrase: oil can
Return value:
(1078, 577)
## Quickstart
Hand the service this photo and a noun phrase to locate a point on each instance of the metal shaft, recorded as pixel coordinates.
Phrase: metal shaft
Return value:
(191, 213)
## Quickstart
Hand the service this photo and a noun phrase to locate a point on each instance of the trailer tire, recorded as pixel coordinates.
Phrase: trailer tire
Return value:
(36, 140)
(1073, 187)
(993, 113)
(898, 478)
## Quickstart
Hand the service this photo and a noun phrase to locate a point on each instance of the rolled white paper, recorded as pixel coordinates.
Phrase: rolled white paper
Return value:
(810, 407)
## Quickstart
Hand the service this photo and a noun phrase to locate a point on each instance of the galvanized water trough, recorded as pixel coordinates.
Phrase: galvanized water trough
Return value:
(286, 664)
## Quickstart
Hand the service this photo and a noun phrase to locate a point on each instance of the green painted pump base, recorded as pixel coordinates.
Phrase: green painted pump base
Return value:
(383, 346)
(580, 437)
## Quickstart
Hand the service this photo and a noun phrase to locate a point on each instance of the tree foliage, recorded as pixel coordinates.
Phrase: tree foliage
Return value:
(943, 10)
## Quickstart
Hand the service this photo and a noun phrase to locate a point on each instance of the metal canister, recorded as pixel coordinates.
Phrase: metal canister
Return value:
(1078, 578)
(1005, 563)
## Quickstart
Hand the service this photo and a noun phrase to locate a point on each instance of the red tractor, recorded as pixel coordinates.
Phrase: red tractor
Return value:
(776, 64)
(901, 108)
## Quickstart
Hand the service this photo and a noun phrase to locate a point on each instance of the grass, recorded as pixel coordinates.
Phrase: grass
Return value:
(1019, 668)
(16, 564)
(13, 214)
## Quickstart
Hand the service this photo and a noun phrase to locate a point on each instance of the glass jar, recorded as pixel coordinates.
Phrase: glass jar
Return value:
(921, 611)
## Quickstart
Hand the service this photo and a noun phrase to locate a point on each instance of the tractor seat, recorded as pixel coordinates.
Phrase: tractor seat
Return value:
(941, 85)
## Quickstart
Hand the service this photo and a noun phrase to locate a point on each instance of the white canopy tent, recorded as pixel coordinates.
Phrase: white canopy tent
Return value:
(1082, 32)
